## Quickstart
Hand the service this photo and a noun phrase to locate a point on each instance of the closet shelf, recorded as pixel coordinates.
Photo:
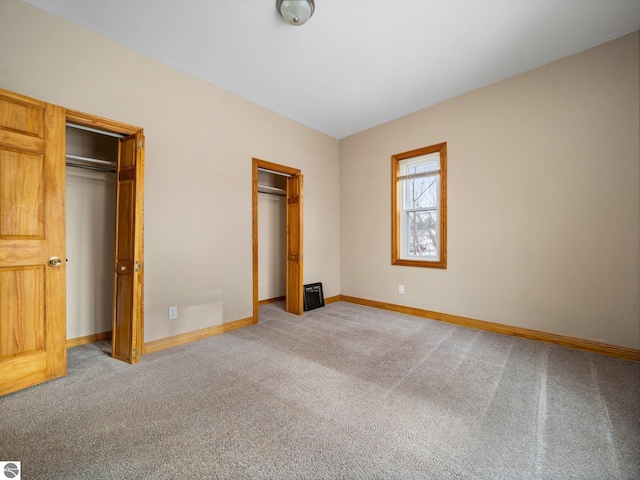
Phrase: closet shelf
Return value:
(93, 130)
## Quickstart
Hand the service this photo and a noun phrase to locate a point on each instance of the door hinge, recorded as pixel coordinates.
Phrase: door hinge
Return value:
(140, 144)
(135, 354)
(138, 266)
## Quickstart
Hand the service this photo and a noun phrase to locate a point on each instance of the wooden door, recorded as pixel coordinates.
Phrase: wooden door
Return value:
(32, 242)
(128, 335)
(294, 300)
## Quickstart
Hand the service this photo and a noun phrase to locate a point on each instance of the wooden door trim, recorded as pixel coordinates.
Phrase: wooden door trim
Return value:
(113, 126)
(274, 167)
(100, 123)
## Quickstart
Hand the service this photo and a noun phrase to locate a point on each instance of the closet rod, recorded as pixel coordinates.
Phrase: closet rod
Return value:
(90, 160)
(89, 167)
(275, 190)
(273, 193)
(94, 130)
(269, 187)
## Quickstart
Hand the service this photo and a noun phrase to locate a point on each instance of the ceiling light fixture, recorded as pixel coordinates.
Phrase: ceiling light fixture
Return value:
(295, 12)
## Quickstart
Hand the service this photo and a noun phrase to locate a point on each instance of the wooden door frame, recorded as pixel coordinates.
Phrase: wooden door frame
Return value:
(104, 124)
(274, 167)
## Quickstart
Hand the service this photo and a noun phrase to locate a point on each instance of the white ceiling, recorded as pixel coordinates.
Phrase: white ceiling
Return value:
(356, 63)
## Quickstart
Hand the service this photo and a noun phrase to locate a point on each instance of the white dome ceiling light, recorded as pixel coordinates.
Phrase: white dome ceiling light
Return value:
(295, 12)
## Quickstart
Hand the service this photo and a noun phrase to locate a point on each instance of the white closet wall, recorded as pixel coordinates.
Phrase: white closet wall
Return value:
(271, 246)
(272, 228)
(90, 212)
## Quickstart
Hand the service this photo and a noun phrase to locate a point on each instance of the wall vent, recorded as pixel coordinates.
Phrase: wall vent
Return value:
(313, 296)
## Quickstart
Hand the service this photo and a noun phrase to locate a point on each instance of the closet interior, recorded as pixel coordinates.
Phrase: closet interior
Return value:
(91, 164)
(272, 215)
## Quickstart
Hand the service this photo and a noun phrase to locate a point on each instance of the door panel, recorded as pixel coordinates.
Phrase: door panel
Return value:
(22, 316)
(294, 301)
(21, 114)
(128, 335)
(21, 194)
(32, 229)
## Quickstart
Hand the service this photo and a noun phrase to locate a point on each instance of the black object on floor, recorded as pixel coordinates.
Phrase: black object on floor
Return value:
(313, 296)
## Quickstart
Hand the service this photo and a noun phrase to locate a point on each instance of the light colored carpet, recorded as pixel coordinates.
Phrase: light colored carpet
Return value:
(345, 392)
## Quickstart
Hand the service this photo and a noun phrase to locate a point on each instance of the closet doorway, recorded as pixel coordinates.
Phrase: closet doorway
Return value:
(33, 341)
(90, 204)
(274, 179)
(112, 156)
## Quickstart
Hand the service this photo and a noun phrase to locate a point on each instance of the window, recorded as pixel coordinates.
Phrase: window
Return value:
(419, 207)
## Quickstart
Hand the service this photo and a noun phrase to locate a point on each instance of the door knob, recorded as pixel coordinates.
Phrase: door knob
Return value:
(54, 262)
(122, 268)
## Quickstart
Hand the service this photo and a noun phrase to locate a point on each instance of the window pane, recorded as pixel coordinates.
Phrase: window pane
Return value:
(427, 163)
(422, 192)
(422, 228)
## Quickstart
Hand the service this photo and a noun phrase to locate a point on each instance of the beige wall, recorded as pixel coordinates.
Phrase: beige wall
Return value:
(543, 198)
(199, 149)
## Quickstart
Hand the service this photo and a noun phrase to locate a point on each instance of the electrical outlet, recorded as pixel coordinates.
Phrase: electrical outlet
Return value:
(173, 313)
(401, 289)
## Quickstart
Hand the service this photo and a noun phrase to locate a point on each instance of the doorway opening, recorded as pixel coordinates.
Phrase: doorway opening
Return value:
(287, 184)
(107, 256)
(91, 158)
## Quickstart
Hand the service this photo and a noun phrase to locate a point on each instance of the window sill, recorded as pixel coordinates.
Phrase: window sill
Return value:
(442, 264)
